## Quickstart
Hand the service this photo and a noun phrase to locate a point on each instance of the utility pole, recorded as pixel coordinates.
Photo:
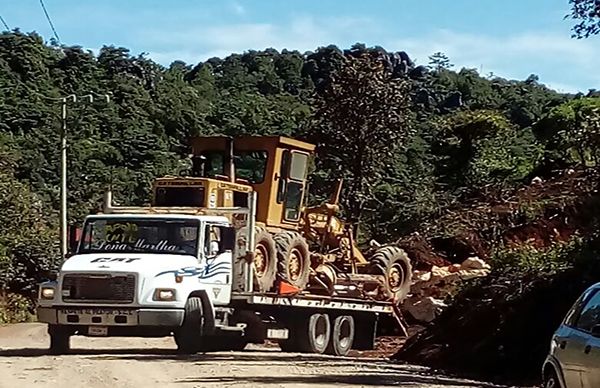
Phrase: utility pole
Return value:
(64, 249)
(63, 177)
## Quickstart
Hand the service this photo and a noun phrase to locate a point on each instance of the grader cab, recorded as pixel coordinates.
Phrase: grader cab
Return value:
(308, 248)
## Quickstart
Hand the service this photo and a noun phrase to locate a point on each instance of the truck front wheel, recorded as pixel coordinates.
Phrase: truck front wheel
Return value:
(189, 336)
(60, 339)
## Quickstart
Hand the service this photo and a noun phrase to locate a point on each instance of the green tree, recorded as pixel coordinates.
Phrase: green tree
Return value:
(360, 121)
(587, 13)
(571, 132)
(439, 61)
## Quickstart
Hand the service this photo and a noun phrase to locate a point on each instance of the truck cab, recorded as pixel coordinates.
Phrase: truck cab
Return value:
(134, 274)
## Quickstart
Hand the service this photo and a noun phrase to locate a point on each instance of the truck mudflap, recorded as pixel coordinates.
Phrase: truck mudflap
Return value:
(110, 316)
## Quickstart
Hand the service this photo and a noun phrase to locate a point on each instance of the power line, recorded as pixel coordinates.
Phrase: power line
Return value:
(5, 25)
(49, 21)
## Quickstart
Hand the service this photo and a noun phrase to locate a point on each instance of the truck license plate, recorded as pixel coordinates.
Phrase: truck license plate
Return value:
(98, 330)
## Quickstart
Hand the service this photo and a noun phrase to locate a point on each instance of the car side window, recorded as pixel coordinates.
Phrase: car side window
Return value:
(590, 314)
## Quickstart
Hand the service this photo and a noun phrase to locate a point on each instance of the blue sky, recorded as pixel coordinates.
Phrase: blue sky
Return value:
(510, 38)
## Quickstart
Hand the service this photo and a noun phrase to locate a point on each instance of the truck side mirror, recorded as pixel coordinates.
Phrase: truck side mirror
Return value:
(50, 274)
(73, 240)
(227, 239)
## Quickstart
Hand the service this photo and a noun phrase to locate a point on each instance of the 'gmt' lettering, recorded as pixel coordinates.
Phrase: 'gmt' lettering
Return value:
(115, 259)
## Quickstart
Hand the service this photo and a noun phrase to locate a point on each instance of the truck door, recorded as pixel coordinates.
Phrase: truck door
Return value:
(217, 264)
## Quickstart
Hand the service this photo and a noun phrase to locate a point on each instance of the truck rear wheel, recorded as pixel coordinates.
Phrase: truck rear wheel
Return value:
(310, 334)
(265, 257)
(293, 259)
(316, 334)
(60, 339)
(189, 336)
(393, 263)
(342, 336)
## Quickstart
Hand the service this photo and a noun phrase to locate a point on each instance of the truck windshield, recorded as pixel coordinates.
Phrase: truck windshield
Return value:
(128, 235)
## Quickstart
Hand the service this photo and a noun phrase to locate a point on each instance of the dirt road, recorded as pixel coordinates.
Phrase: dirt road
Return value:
(147, 363)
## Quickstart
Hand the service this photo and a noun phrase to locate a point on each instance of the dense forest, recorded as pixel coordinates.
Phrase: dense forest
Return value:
(418, 139)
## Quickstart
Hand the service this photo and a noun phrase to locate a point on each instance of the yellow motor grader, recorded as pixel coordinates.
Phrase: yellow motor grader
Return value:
(306, 249)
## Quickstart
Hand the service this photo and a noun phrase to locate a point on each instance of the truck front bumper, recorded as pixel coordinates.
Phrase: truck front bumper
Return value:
(110, 316)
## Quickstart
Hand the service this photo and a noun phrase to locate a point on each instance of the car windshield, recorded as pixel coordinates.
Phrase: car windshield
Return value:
(128, 235)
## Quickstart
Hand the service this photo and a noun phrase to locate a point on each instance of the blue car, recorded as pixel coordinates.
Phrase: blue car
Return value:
(574, 358)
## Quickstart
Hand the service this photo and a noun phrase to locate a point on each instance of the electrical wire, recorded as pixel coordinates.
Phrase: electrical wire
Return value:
(49, 21)
(5, 25)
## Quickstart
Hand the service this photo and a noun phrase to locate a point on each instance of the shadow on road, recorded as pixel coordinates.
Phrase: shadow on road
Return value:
(371, 373)
(357, 378)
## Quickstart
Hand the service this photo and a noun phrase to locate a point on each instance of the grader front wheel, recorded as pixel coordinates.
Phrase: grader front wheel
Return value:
(393, 263)
(293, 259)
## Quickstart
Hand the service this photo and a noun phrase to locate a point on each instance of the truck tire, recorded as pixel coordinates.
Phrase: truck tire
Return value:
(293, 259)
(189, 336)
(315, 334)
(392, 262)
(342, 336)
(265, 257)
(60, 339)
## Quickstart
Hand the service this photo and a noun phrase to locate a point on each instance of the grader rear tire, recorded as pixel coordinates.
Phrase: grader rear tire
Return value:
(265, 258)
(293, 259)
(393, 263)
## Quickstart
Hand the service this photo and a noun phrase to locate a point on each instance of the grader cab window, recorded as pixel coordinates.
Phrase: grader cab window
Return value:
(210, 165)
(291, 183)
(251, 165)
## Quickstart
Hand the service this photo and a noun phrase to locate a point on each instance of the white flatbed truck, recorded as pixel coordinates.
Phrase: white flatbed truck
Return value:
(154, 272)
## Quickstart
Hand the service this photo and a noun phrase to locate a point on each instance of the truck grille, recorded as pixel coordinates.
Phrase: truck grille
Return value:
(88, 288)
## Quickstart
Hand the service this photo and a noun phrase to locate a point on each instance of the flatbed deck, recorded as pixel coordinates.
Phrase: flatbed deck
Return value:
(314, 301)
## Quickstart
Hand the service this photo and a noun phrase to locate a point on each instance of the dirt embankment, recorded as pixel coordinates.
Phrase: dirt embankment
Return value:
(499, 327)
(538, 214)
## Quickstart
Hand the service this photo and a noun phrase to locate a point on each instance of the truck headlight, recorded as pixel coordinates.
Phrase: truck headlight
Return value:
(164, 294)
(47, 293)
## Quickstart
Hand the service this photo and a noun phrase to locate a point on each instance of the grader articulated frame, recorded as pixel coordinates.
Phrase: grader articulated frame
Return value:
(307, 248)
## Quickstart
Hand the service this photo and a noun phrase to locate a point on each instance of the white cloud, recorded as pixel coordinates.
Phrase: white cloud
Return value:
(302, 33)
(560, 61)
(237, 8)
